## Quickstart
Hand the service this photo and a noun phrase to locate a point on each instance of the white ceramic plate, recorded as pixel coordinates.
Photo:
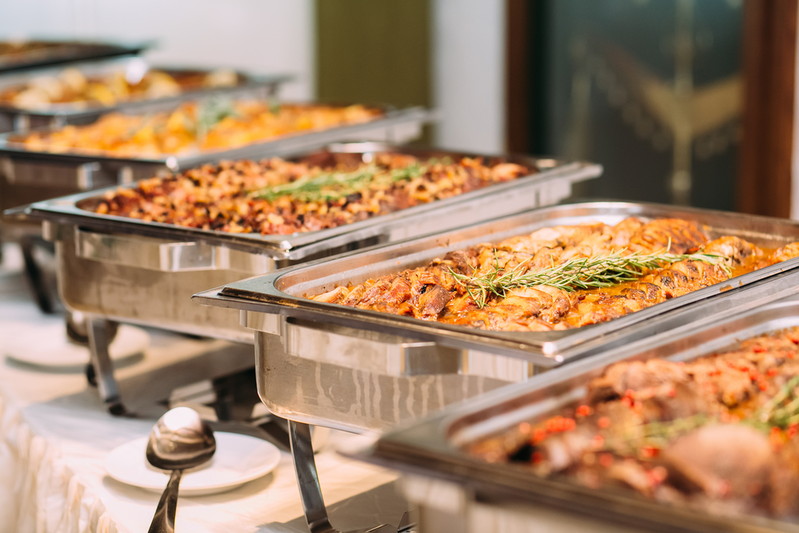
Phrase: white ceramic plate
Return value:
(46, 344)
(238, 459)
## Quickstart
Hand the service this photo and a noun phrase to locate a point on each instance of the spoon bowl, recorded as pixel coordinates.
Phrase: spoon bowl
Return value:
(179, 440)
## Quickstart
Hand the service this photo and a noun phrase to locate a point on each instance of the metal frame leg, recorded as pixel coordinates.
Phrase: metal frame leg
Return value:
(308, 478)
(310, 490)
(35, 277)
(99, 331)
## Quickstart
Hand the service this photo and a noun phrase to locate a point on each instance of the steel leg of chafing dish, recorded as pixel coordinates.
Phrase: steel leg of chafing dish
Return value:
(35, 276)
(310, 491)
(100, 331)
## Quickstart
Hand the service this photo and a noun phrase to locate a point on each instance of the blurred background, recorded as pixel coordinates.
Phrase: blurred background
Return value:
(653, 90)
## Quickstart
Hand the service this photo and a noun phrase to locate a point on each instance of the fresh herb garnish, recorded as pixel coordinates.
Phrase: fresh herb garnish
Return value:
(593, 272)
(658, 434)
(782, 410)
(332, 186)
(212, 111)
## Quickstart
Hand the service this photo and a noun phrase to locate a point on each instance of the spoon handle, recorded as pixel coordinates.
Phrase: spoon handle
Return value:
(164, 518)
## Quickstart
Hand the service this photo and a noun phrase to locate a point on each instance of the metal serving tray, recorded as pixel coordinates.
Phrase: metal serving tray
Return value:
(282, 292)
(20, 120)
(60, 52)
(130, 270)
(27, 176)
(431, 451)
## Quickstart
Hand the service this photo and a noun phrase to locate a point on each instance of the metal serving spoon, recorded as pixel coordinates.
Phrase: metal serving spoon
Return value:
(179, 440)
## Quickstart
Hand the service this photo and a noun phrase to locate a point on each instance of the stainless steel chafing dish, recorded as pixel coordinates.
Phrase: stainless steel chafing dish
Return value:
(142, 272)
(282, 293)
(17, 119)
(471, 495)
(38, 53)
(365, 371)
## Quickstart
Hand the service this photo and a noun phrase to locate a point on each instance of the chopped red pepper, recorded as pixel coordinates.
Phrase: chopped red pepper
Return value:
(649, 452)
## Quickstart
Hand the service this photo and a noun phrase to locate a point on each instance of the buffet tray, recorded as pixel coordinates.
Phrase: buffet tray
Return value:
(431, 451)
(60, 52)
(283, 292)
(392, 117)
(146, 272)
(28, 176)
(20, 120)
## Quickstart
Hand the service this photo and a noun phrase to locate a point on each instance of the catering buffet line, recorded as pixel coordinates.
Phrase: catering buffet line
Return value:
(633, 362)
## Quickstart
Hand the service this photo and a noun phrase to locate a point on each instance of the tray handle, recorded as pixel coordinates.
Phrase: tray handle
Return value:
(164, 256)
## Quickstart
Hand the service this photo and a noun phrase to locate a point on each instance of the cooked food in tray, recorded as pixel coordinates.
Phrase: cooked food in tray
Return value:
(213, 124)
(719, 431)
(275, 196)
(71, 86)
(562, 277)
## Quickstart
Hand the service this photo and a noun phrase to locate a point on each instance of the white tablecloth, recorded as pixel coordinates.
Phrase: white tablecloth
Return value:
(54, 436)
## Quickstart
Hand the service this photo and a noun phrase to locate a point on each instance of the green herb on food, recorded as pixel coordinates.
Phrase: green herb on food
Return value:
(594, 272)
(212, 111)
(331, 186)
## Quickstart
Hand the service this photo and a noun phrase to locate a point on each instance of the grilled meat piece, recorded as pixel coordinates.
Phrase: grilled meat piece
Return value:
(676, 235)
(721, 460)
(430, 302)
(783, 254)
(734, 249)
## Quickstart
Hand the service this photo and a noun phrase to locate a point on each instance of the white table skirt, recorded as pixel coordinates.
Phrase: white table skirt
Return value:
(38, 491)
(55, 434)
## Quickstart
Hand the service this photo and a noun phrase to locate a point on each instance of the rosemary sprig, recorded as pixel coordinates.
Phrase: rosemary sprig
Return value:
(595, 272)
(658, 434)
(335, 185)
(212, 111)
(783, 409)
